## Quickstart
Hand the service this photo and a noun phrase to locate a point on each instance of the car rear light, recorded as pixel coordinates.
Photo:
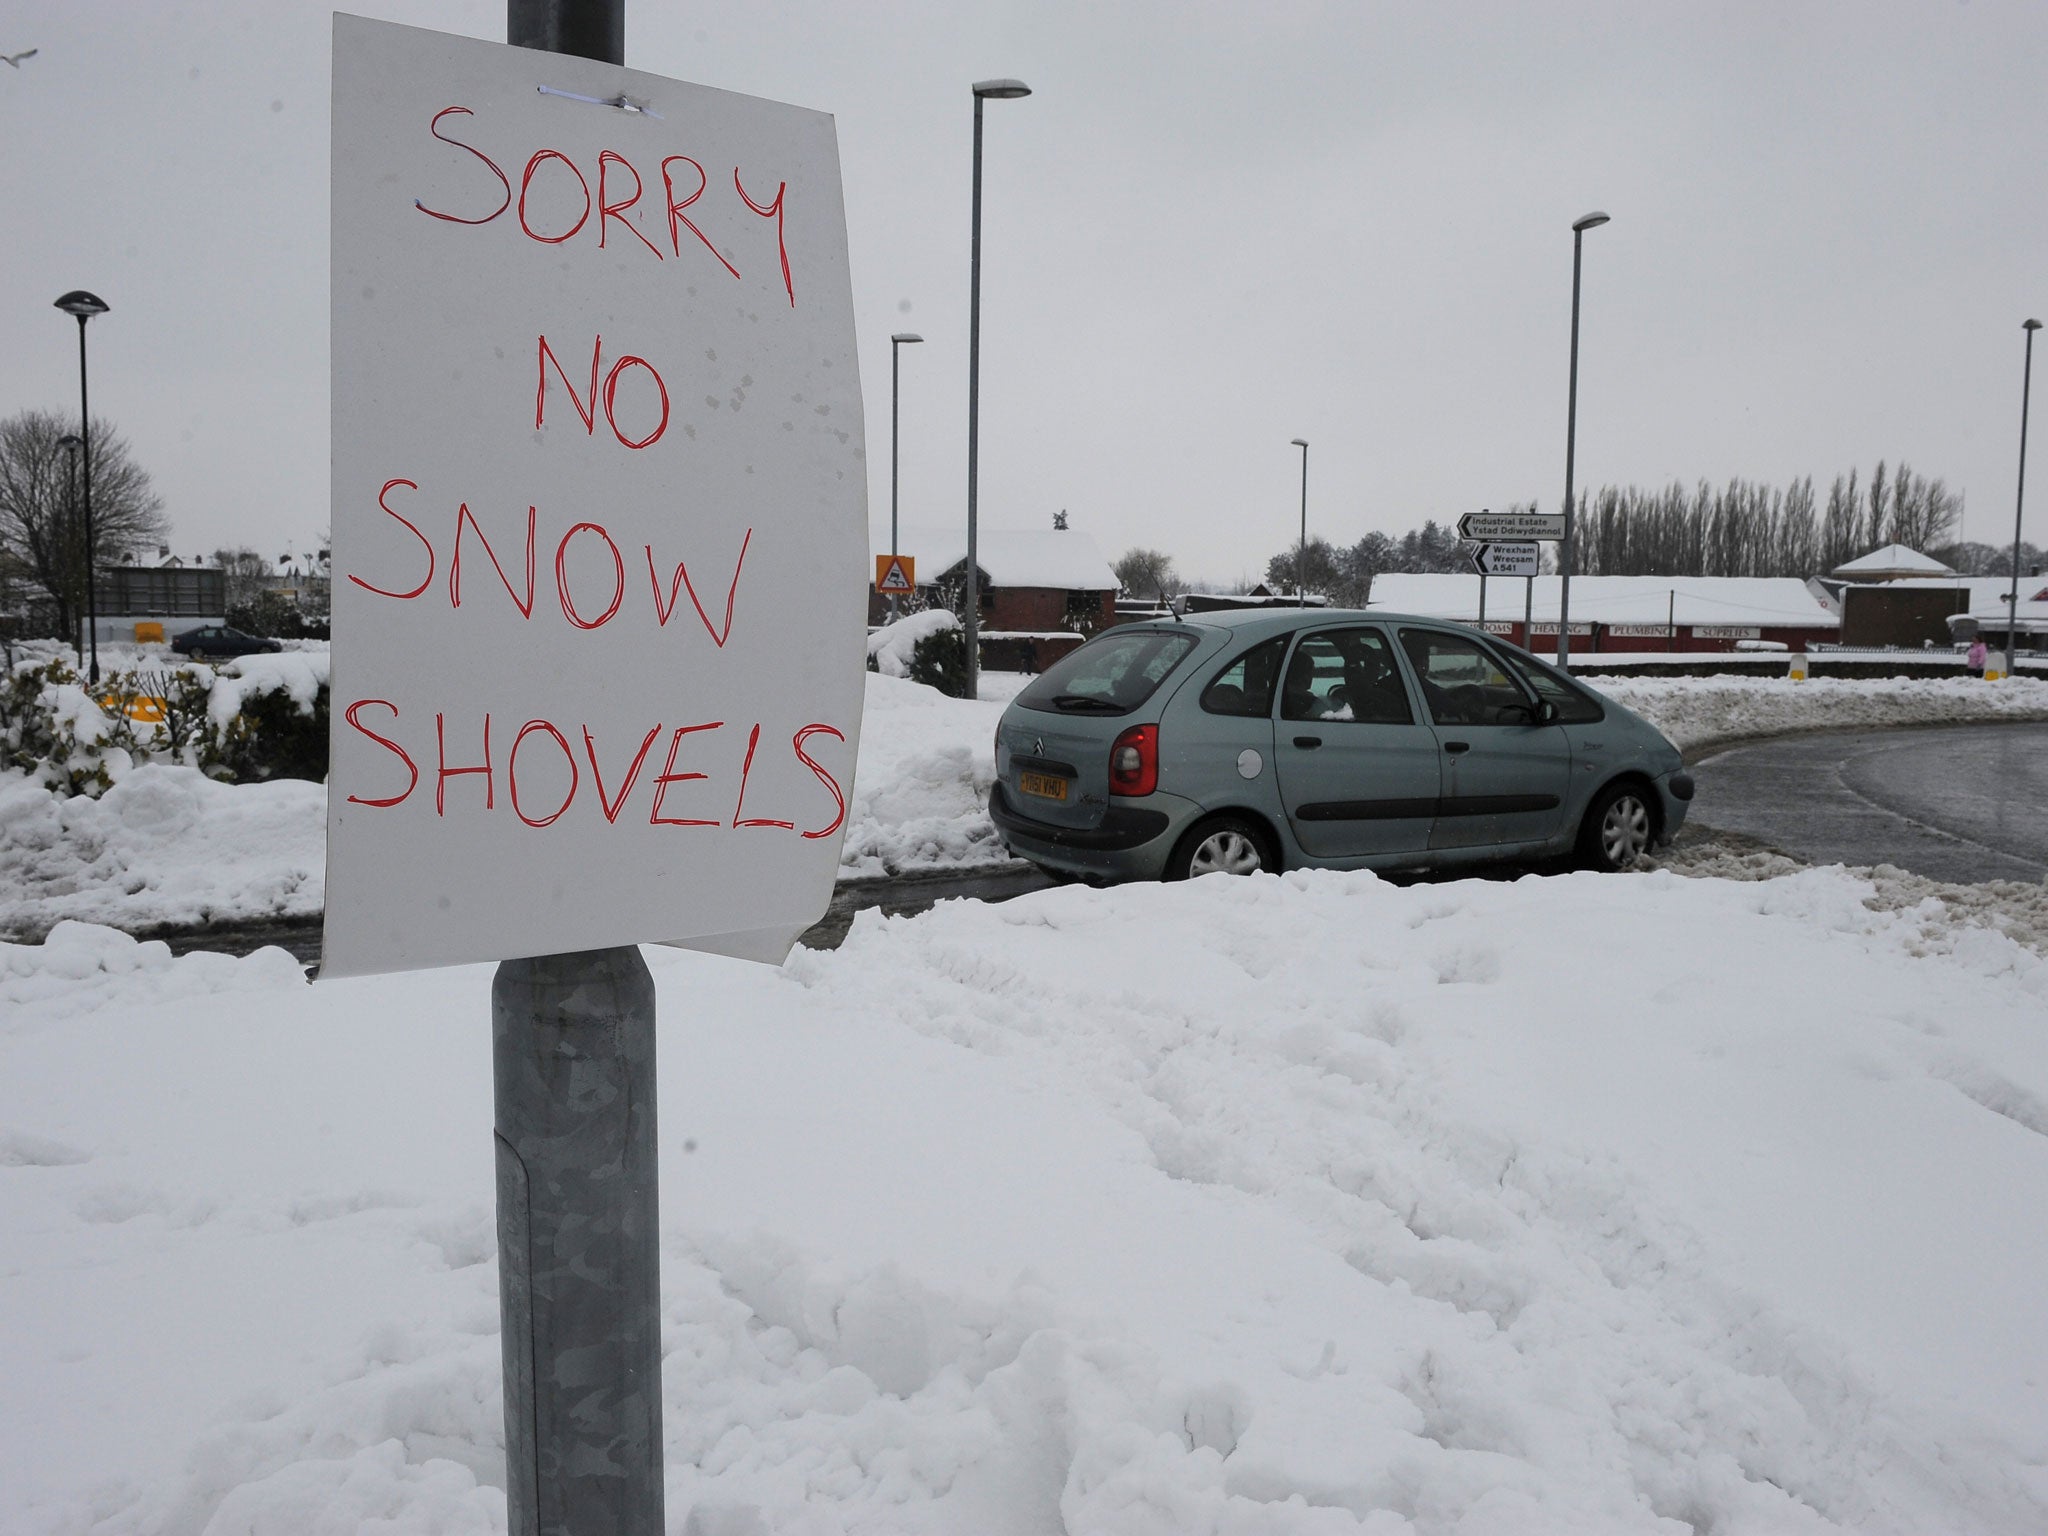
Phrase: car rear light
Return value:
(1134, 761)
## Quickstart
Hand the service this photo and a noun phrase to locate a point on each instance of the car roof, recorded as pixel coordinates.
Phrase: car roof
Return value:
(1260, 622)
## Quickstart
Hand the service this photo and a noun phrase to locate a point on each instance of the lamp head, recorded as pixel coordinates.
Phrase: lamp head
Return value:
(82, 304)
(1002, 90)
(71, 442)
(2031, 325)
(1590, 221)
(1301, 442)
(906, 336)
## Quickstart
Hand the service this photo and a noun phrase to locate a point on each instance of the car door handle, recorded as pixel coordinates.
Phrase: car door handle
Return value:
(1457, 746)
(1308, 741)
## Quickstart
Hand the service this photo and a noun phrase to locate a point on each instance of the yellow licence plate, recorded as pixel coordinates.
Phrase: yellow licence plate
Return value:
(1043, 785)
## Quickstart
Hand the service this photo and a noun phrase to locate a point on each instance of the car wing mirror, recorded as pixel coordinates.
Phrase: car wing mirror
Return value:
(1546, 712)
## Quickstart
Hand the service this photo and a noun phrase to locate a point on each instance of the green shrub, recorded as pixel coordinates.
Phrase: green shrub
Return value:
(939, 661)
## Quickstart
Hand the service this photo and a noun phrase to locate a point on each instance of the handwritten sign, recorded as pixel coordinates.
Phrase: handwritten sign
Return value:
(597, 489)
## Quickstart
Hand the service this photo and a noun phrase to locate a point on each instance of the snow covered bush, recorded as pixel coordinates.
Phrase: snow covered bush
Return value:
(51, 728)
(925, 647)
(259, 718)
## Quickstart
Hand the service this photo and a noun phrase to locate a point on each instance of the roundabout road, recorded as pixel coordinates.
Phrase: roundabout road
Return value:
(1961, 803)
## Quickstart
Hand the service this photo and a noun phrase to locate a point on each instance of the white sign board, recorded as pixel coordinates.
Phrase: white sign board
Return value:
(1495, 559)
(599, 509)
(1547, 526)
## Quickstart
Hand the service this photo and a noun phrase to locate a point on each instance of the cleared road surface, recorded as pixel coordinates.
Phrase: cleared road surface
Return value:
(1963, 803)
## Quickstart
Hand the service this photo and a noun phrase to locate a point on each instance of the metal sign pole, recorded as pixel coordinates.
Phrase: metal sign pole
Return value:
(579, 1260)
(1529, 615)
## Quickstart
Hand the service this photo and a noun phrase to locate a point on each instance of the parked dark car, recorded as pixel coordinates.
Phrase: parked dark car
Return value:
(1236, 742)
(220, 640)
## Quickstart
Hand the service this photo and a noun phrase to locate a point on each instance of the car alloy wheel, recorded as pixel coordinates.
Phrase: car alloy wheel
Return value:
(1227, 847)
(1624, 830)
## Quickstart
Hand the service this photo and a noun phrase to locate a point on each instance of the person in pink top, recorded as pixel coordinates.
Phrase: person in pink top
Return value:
(1976, 657)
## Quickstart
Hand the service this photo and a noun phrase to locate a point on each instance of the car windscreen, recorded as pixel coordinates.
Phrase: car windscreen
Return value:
(1111, 675)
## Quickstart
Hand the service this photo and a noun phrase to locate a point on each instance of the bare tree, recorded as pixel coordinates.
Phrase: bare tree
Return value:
(1148, 573)
(42, 508)
(243, 572)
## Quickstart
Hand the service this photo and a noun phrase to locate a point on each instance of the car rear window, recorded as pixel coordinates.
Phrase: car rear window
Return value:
(1245, 687)
(1111, 675)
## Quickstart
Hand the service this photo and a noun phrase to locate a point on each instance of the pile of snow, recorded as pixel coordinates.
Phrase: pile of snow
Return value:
(164, 845)
(1693, 711)
(1299, 1205)
(920, 790)
(891, 646)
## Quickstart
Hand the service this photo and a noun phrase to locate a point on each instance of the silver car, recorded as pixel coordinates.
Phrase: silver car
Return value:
(1251, 740)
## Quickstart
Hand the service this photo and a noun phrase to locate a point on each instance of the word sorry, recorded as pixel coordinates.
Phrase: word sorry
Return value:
(610, 210)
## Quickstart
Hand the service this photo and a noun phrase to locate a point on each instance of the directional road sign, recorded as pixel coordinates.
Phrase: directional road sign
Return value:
(1517, 559)
(1511, 525)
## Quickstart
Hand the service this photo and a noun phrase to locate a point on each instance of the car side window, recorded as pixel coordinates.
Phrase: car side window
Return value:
(1574, 706)
(1463, 682)
(1245, 687)
(1345, 674)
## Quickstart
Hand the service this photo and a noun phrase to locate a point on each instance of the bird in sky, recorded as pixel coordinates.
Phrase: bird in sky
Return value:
(14, 59)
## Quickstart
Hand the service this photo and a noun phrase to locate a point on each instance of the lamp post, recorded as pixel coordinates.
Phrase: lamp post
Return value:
(1301, 559)
(2012, 617)
(84, 306)
(71, 443)
(896, 344)
(1000, 90)
(1571, 427)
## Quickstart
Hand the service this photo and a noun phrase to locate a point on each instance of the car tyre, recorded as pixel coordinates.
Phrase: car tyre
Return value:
(1619, 828)
(1229, 845)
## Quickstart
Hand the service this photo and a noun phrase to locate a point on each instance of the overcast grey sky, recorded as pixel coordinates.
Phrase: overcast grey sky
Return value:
(1213, 228)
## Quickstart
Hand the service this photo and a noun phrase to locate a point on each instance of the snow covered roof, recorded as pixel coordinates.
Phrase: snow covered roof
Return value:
(1774, 601)
(1891, 563)
(1065, 559)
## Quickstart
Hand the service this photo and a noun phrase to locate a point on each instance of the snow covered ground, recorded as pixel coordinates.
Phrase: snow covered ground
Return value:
(1313, 1204)
(167, 845)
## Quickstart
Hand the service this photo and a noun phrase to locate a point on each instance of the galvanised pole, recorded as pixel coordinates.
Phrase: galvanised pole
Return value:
(579, 1259)
(1002, 90)
(1571, 429)
(970, 620)
(1301, 560)
(2012, 620)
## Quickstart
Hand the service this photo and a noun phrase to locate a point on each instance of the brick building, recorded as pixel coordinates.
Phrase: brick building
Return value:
(1042, 591)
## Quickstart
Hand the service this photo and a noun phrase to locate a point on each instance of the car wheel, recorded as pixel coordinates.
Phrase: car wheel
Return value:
(1226, 845)
(1618, 828)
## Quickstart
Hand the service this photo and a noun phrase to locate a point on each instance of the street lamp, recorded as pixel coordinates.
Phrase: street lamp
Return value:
(71, 443)
(896, 344)
(1571, 426)
(1301, 560)
(2012, 619)
(84, 306)
(1000, 90)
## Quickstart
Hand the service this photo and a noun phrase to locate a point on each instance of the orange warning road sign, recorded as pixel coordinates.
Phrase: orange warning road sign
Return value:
(895, 573)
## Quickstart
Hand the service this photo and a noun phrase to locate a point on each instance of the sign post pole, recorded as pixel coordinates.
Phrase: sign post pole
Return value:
(579, 1257)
